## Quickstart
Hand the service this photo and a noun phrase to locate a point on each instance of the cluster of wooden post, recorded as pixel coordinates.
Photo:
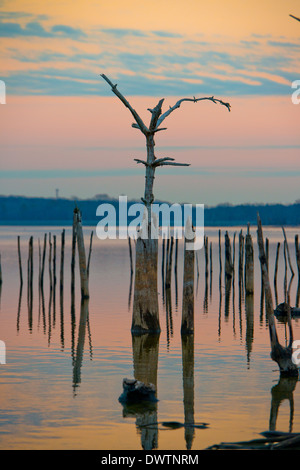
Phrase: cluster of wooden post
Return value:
(84, 266)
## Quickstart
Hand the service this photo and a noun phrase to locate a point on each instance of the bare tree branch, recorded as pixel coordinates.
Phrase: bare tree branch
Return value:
(295, 17)
(193, 100)
(171, 164)
(141, 161)
(139, 121)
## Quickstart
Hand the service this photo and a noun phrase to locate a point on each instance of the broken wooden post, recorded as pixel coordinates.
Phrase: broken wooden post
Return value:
(90, 253)
(288, 252)
(54, 262)
(50, 263)
(249, 263)
(151, 164)
(187, 323)
(82, 256)
(43, 261)
(169, 264)
(233, 257)
(130, 255)
(187, 347)
(20, 261)
(73, 257)
(298, 266)
(241, 257)
(228, 260)
(30, 280)
(279, 354)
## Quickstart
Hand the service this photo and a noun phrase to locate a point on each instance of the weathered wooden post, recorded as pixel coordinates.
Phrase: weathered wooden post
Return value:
(62, 259)
(288, 252)
(20, 261)
(281, 355)
(0, 272)
(82, 256)
(187, 323)
(43, 261)
(228, 260)
(233, 257)
(145, 317)
(241, 257)
(145, 252)
(169, 264)
(90, 253)
(187, 347)
(276, 265)
(249, 263)
(298, 266)
(145, 352)
(73, 256)
(130, 255)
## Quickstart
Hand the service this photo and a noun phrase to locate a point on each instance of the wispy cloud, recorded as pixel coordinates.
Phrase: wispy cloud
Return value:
(147, 62)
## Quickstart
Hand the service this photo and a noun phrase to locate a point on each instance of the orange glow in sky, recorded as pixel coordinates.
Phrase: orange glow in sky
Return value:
(60, 115)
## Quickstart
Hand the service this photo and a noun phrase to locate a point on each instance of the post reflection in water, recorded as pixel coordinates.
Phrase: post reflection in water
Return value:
(84, 314)
(187, 345)
(249, 311)
(283, 390)
(145, 364)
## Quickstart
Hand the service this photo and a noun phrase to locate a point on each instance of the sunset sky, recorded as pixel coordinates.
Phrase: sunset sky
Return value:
(62, 127)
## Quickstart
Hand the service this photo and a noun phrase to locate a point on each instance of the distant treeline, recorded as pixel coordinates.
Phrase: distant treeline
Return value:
(18, 210)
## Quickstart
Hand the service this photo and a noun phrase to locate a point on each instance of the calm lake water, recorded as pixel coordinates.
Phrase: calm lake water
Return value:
(61, 382)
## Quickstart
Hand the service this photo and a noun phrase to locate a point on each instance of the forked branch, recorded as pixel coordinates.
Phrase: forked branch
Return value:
(137, 118)
(193, 100)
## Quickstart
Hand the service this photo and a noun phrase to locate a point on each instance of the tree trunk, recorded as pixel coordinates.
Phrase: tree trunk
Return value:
(145, 317)
(279, 354)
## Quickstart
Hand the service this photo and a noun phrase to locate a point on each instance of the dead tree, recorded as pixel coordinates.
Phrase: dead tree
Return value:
(281, 355)
(148, 247)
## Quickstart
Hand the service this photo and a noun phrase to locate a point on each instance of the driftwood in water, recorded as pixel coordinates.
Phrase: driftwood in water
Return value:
(187, 322)
(281, 355)
(249, 263)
